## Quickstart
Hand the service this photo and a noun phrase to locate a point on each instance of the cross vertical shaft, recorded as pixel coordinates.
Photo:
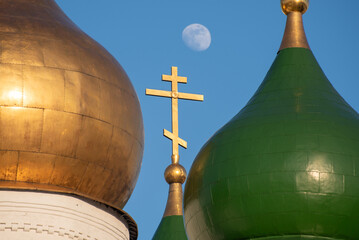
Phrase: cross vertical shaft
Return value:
(174, 84)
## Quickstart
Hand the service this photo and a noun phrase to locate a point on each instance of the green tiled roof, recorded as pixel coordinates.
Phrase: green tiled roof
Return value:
(171, 228)
(287, 165)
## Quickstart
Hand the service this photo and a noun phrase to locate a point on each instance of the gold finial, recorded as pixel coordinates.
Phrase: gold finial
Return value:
(175, 174)
(294, 35)
(294, 6)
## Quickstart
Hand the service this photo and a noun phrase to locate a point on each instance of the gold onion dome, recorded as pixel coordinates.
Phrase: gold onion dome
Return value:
(70, 118)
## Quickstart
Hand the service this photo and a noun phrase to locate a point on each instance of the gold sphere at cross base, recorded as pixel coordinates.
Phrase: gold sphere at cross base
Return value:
(294, 6)
(175, 173)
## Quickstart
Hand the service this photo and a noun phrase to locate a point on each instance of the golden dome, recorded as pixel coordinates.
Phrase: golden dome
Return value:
(70, 120)
(294, 6)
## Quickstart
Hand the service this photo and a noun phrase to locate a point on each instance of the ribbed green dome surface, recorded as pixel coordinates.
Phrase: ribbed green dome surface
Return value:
(171, 228)
(285, 167)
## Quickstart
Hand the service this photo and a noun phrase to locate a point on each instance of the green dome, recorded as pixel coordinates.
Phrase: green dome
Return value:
(285, 167)
(171, 228)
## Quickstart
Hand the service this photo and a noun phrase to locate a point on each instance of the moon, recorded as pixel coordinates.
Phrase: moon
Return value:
(197, 37)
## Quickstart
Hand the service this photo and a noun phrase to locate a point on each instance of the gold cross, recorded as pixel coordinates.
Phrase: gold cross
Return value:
(175, 95)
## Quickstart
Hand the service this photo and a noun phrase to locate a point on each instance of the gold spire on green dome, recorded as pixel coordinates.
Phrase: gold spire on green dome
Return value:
(294, 34)
(172, 225)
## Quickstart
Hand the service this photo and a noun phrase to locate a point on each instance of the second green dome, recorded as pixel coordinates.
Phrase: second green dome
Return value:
(285, 167)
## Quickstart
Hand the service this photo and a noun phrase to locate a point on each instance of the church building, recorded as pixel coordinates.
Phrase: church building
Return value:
(72, 140)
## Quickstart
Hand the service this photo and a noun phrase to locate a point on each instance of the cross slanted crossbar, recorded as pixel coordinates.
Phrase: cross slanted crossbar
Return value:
(175, 95)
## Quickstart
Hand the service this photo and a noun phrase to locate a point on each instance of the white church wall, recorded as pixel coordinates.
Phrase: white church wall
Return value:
(50, 216)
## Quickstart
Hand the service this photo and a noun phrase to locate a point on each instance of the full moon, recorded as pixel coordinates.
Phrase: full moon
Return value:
(196, 37)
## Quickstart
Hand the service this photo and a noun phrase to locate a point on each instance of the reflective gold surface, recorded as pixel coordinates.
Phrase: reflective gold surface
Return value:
(174, 201)
(294, 6)
(294, 35)
(70, 120)
(175, 173)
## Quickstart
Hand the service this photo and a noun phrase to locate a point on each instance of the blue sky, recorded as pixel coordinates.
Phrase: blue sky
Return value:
(145, 37)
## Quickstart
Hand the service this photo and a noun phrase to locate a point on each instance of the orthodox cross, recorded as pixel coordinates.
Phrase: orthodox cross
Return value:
(175, 95)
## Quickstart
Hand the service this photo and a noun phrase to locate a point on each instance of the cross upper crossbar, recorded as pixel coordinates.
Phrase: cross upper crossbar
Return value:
(174, 77)
(174, 95)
